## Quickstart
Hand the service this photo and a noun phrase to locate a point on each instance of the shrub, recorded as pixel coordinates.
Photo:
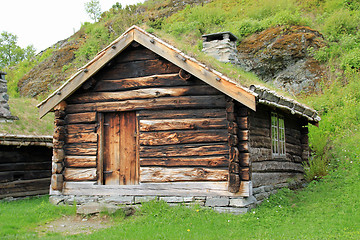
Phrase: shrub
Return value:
(287, 17)
(316, 168)
(97, 37)
(341, 22)
(322, 54)
(195, 19)
(245, 27)
(335, 141)
(351, 60)
(156, 23)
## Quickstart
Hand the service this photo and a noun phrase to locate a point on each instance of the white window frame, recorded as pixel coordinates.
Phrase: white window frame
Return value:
(278, 142)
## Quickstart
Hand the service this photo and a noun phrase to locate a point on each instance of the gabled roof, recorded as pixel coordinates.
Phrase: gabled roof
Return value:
(210, 76)
(247, 97)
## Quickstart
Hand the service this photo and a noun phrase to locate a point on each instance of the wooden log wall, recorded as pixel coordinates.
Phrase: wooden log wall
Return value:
(182, 121)
(269, 170)
(24, 170)
(242, 114)
(237, 116)
(58, 147)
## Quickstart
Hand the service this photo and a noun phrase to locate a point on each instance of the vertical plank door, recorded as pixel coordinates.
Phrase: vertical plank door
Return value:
(120, 146)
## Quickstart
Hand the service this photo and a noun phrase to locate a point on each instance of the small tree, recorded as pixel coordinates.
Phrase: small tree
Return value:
(93, 9)
(10, 52)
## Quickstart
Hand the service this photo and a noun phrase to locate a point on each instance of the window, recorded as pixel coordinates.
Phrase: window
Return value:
(277, 135)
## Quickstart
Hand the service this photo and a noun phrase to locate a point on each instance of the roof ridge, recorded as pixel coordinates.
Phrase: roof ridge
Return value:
(234, 89)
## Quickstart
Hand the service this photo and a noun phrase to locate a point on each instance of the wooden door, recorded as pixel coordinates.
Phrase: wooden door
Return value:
(120, 148)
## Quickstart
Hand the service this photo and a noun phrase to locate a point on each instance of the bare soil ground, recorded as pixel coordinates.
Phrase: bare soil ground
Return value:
(70, 225)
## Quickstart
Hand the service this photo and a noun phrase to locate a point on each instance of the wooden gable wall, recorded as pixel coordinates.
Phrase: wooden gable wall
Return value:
(182, 125)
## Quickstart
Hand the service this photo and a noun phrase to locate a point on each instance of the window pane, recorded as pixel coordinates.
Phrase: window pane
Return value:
(281, 136)
(277, 134)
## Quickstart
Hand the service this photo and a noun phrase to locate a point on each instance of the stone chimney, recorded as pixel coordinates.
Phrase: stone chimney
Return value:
(221, 46)
(5, 115)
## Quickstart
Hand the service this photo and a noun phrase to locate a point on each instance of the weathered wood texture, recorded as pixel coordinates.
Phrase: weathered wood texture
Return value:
(237, 116)
(214, 101)
(120, 165)
(181, 137)
(22, 166)
(234, 177)
(192, 161)
(181, 121)
(79, 174)
(59, 141)
(160, 174)
(269, 170)
(22, 188)
(80, 161)
(25, 140)
(181, 124)
(87, 117)
(272, 178)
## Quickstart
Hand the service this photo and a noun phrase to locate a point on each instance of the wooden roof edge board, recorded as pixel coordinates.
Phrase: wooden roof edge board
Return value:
(43, 138)
(26, 140)
(59, 89)
(194, 60)
(25, 144)
(191, 65)
(313, 117)
(87, 71)
(98, 55)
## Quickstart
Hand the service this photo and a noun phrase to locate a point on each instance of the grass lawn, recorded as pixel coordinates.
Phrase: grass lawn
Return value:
(329, 209)
(18, 219)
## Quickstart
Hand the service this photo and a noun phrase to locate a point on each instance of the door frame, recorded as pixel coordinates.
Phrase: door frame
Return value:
(101, 143)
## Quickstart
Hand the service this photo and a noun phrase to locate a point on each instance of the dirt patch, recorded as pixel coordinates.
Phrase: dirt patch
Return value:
(70, 225)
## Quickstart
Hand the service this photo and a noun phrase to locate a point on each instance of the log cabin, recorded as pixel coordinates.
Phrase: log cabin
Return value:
(25, 165)
(143, 120)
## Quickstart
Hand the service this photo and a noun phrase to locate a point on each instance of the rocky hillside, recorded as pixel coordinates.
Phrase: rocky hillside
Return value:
(48, 74)
(283, 56)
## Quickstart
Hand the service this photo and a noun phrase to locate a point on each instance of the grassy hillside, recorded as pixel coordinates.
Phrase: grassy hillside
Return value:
(29, 123)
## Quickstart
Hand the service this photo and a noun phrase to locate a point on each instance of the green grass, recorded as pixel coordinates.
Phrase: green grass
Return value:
(20, 218)
(312, 213)
(29, 123)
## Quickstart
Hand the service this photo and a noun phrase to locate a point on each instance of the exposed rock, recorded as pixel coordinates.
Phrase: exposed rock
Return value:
(281, 55)
(242, 202)
(5, 114)
(217, 202)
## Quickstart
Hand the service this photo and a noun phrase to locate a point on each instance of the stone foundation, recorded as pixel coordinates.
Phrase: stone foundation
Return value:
(234, 205)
